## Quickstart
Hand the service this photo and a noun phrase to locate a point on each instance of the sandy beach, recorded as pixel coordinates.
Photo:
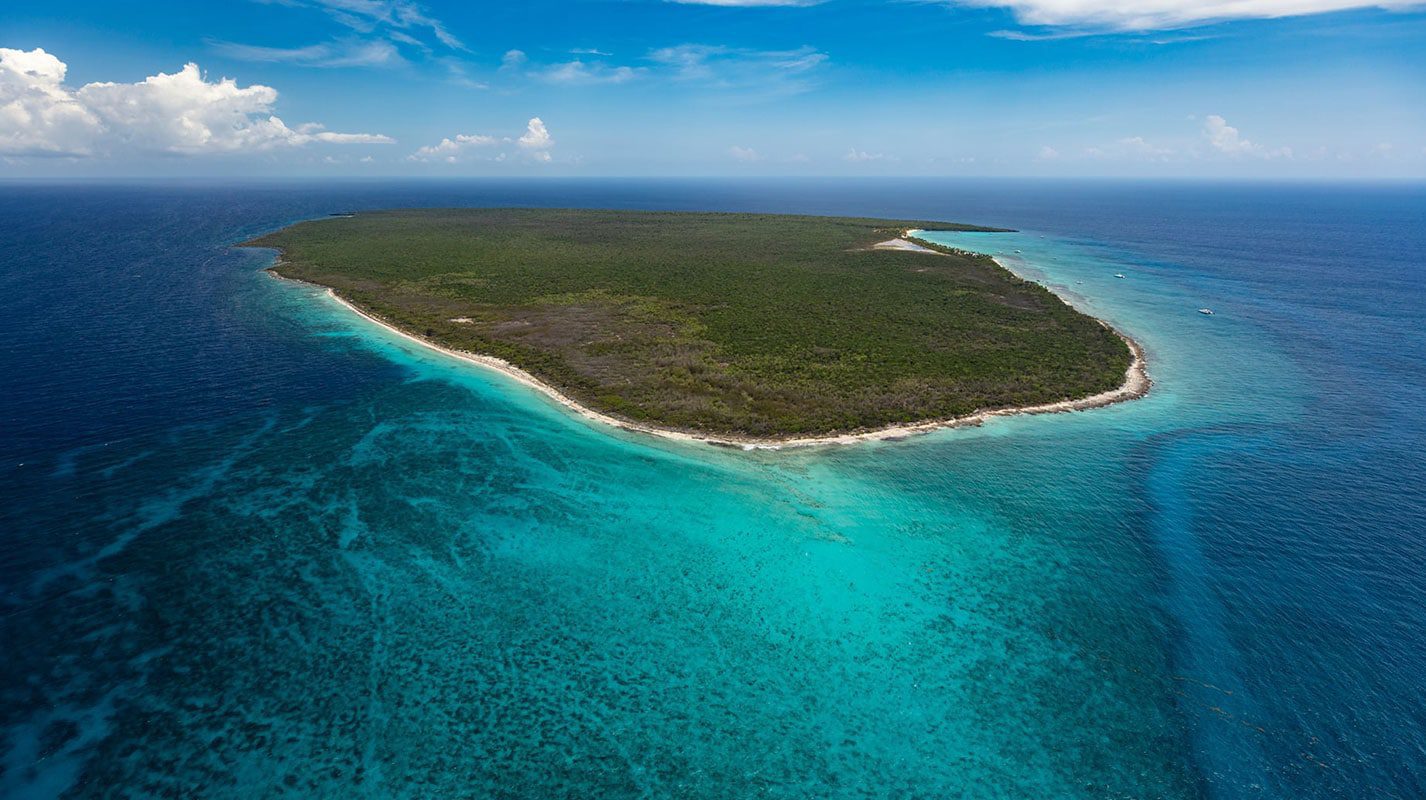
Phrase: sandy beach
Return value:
(902, 244)
(1136, 384)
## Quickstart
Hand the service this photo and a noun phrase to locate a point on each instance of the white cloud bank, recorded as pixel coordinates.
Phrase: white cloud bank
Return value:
(1142, 15)
(178, 113)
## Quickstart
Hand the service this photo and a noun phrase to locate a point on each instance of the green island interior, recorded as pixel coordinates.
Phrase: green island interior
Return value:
(751, 325)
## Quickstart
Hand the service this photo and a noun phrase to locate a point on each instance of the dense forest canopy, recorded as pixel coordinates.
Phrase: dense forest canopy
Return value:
(746, 324)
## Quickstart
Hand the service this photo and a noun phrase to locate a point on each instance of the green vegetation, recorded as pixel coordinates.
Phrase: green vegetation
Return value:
(748, 324)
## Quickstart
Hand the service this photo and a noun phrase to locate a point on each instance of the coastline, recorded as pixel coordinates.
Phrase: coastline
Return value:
(1136, 384)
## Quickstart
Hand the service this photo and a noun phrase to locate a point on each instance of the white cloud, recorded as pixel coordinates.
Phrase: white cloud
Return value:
(450, 150)
(1163, 14)
(354, 53)
(582, 73)
(38, 115)
(1218, 141)
(1022, 36)
(174, 113)
(537, 139)
(860, 156)
(458, 75)
(732, 65)
(512, 59)
(535, 142)
(1131, 148)
(747, 3)
(747, 74)
(397, 18)
(1140, 148)
(379, 30)
(1226, 139)
(746, 154)
(1048, 153)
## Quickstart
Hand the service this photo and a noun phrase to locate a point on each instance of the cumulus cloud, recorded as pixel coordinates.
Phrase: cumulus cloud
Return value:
(1048, 153)
(1164, 14)
(182, 112)
(535, 142)
(38, 115)
(450, 150)
(1226, 139)
(746, 154)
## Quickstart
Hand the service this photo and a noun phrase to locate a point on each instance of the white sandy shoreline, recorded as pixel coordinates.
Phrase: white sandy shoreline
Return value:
(1136, 384)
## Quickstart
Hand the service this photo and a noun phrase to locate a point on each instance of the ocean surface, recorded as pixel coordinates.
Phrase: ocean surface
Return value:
(253, 546)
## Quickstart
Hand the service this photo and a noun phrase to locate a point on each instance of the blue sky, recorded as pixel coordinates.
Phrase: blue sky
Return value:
(1247, 88)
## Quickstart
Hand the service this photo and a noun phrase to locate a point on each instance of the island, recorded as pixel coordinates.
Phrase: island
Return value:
(746, 329)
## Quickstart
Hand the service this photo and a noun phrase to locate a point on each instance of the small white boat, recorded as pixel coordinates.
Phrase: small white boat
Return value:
(1207, 311)
(1118, 274)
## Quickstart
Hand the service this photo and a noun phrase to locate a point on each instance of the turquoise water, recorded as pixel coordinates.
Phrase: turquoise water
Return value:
(255, 546)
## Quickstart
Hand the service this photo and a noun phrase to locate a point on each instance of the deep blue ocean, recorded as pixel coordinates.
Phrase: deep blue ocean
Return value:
(253, 546)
